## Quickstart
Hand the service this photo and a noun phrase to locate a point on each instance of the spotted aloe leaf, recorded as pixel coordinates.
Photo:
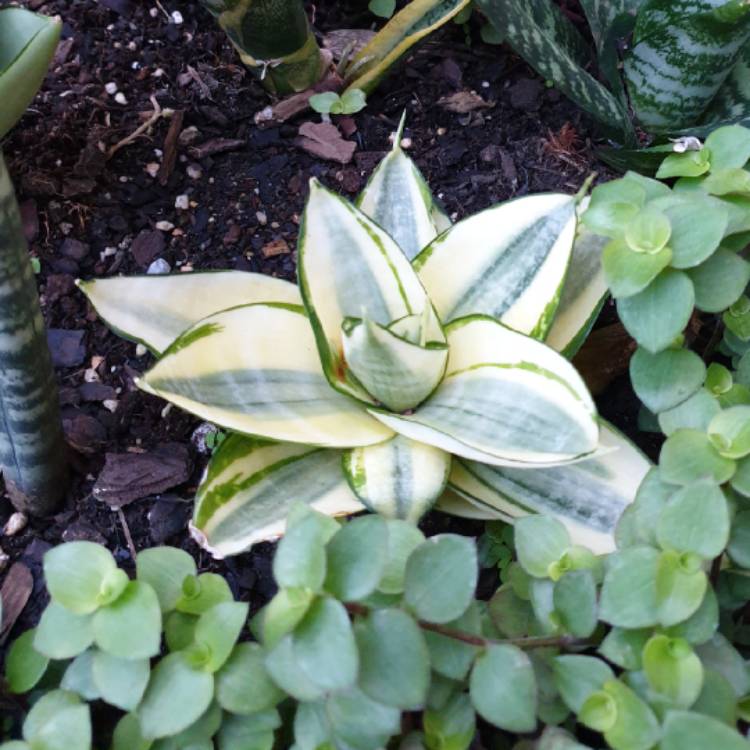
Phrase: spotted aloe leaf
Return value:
(536, 36)
(682, 54)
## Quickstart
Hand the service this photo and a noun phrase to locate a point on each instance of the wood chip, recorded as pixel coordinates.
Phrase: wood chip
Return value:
(275, 247)
(170, 146)
(324, 140)
(129, 476)
(14, 594)
(216, 146)
(464, 101)
(604, 357)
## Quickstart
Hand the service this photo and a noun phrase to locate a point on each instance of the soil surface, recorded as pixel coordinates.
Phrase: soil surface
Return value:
(164, 198)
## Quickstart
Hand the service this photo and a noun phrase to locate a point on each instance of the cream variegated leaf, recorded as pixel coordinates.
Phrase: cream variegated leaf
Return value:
(155, 310)
(506, 399)
(588, 497)
(350, 268)
(250, 486)
(508, 261)
(584, 292)
(399, 373)
(255, 370)
(399, 200)
(399, 478)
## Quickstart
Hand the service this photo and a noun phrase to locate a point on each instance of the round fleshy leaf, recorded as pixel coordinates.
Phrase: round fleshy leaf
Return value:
(357, 720)
(739, 541)
(82, 576)
(648, 232)
(216, 633)
(324, 646)
(729, 147)
(540, 542)
(719, 281)
(693, 241)
(701, 626)
(127, 735)
(655, 316)
(673, 670)
(687, 164)
(627, 271)
(680, 586)
(79, 677)
(130, 627)
(200, 593)
(503, 688)
(403, 539)
(695, 519)
(243, 685)
(176, 696)
(165, 569)
(452, 725)
(441, 576)
(666, 379)
(577, 677)
(450, 657)
(575, 603)
(356, 558)
(61, 634)
(689, 456)
(628, 597)
(729, 431)
(120, 682)
(694, 731)
(24, 665)
(695, 413)
(283, 613)
(394, 660)
(613, 206)
(623, 647)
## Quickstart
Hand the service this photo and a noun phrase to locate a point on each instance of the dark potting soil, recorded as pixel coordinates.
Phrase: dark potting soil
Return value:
(215, 191)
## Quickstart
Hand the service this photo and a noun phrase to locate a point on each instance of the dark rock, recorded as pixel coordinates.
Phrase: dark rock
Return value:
(74, 249)
(146, 246)
(97, 392)
(64, 265)
(58, 285)
(526, 94)
(69, 396)
(233, 235)
(84, 433)
(130, 476)
(66, 347)
(29, 219)
(168, 517)
(80, 531)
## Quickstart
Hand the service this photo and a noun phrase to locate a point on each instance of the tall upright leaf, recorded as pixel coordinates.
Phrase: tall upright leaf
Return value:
(683, 52)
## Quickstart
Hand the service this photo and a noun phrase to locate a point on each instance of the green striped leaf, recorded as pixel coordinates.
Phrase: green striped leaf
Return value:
(537, 38)
(588, 497)
(411, 24)
(27, 44)
(583, 294)
(506, 399)
(601, 14)
(398, 198)
(463, 506)
(732, 103)
(154, 310)
(508, 262)
(250, 486)
(398, 373)
(255, 370)
(398, 478)
(350, 268)
(682, 53)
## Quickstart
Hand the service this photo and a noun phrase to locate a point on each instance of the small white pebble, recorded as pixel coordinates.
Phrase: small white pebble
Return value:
(110, 88)
(177, 19)
(158, 267)
(140, 350)
(132, 46)
(262, 218)
(152, 168)
(187, 268)
(194, 172)
(158, 73)
(120, 98)
(66, 228)
(16, 523)
(110, 404)
(406, 143)
(182, 202)
(135, 65)
(164, 226)
(108, 252)
(442, 131)
(4, 560)
(485, 84)
(91, 376)
(153, 12)
(166, 411)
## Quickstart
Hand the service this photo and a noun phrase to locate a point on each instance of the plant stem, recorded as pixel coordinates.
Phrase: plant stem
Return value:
(32, 448)
(482, 642)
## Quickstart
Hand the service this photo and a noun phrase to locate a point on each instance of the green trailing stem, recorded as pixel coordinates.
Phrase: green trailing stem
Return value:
(32, 450)
(273, 38)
